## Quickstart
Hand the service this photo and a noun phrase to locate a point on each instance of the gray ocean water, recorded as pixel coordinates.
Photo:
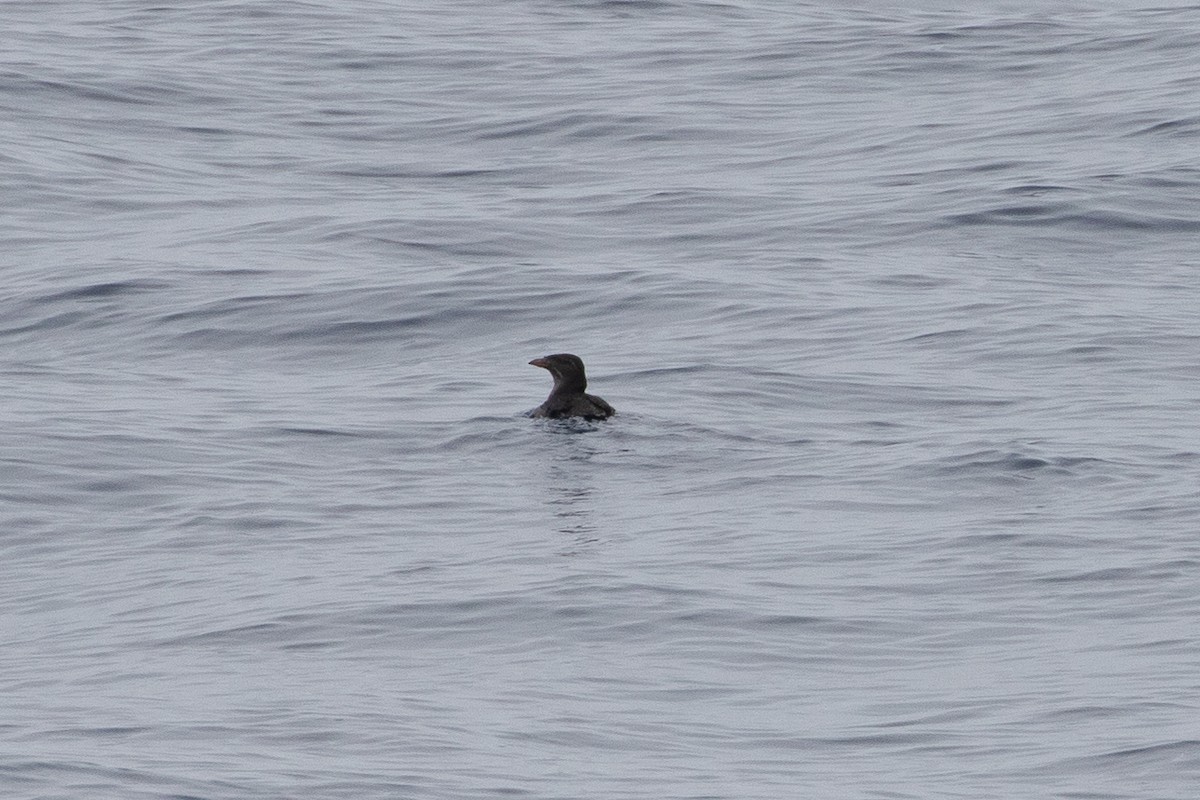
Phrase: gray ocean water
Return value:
(898, 307)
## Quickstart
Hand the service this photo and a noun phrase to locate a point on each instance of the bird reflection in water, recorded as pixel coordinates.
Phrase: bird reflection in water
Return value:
(570, 489)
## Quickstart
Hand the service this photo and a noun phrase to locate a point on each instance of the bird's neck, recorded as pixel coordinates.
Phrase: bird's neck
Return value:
(568, 385)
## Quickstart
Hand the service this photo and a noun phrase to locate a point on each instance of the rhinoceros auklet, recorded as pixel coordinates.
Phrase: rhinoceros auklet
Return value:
(567, 398)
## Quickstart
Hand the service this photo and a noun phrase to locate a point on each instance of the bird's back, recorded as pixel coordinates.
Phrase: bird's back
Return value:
(588, 406)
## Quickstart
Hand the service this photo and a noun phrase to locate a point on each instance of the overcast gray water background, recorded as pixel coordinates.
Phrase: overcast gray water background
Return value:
(898, 309)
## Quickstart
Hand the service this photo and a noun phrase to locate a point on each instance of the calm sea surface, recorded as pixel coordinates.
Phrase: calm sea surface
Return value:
(900, 310)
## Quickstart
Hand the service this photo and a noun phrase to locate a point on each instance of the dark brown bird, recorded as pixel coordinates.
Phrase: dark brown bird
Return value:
(567, 398)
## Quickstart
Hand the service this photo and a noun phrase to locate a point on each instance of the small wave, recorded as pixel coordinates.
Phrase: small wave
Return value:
(1186, 127)
(1173, 757)
(105, 289)
(1135, 576)
(324, 432)
(1012, 463)
(570, 426)
(1065, 215)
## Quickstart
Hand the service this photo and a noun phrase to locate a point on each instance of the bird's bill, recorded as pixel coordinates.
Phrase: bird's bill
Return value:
(540, 362)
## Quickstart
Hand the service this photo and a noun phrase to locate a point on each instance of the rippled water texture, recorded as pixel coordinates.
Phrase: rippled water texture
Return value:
(897, 308)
